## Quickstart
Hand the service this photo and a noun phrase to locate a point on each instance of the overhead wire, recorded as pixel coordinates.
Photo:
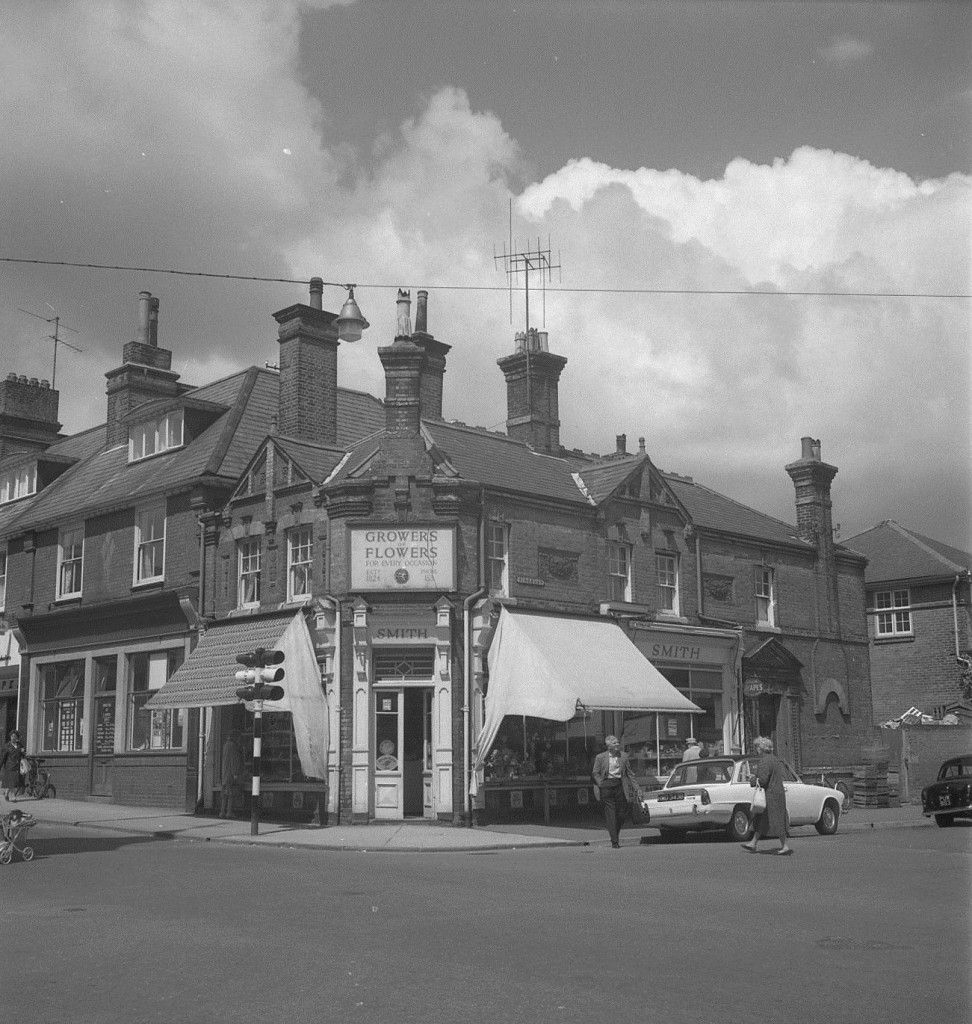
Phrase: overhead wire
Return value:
(603, 290)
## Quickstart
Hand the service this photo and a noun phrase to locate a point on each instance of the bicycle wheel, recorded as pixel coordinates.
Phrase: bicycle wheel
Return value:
(27, 853)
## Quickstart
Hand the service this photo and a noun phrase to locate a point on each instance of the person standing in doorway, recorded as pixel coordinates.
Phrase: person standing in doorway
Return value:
(771, 823)
(231, 773)
(13, 751)
(615, 785)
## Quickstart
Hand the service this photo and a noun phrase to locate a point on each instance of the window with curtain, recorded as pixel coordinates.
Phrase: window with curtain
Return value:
(765, 597)
(70, 562)
(150, 545)
(248, 581)
(619, 571)
(497, 559)
(300, 560)
(666, 576)
(153, 729)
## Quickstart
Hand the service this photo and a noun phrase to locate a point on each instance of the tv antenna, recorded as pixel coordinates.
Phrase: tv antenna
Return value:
(56, 336)
(526, 260)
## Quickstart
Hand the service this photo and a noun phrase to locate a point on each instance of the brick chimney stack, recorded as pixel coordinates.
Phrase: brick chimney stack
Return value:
(532, 396)
(433, 362)
(28, 415)
(145, 374)
(308, 337)
(403, 362)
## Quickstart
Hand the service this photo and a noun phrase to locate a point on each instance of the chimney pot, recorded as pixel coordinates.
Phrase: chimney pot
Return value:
(316, 293)
(404, 306)
(154, 323)
(641, 446)
(806, 448)
(34, 382)
(815, 450)
(144, 302)
(421, 311)
(621, 440)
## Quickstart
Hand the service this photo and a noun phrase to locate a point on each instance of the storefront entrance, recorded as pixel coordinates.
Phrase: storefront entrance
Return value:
(402, 746)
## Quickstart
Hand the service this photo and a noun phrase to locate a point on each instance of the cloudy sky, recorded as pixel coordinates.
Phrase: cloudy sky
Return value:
(679, 156)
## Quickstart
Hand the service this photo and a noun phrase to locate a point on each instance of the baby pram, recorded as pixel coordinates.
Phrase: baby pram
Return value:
(14, 827)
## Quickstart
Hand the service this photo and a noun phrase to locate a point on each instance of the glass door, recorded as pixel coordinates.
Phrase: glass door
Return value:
(102, 745)
(387, 751)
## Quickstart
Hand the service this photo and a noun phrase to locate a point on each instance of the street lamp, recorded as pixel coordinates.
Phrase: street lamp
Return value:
(350, 321)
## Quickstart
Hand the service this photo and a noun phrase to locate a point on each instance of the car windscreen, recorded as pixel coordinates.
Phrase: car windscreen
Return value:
(700, 772)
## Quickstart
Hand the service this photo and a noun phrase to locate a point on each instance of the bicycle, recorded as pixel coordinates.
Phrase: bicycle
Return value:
(37, 782)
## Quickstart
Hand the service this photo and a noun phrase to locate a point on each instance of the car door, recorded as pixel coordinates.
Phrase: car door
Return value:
(802, 801)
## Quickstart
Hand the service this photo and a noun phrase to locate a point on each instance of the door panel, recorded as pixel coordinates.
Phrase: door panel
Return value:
(387, 752)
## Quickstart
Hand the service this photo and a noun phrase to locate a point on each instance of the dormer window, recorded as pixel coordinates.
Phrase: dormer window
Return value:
(18, 483)
(155, 436)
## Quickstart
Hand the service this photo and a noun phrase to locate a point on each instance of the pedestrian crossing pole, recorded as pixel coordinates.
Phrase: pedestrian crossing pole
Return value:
(261, 672)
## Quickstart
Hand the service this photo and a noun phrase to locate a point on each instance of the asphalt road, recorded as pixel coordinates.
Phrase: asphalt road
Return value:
(855, 927)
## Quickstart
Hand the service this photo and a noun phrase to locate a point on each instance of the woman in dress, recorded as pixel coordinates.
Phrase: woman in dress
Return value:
(10, 765)
(771, 823)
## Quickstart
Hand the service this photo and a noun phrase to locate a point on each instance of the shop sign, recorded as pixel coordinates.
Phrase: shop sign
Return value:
(403, 558)
(754, 687)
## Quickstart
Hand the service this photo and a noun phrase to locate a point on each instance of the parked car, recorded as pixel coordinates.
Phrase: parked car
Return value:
(950, 795)
(714, 793)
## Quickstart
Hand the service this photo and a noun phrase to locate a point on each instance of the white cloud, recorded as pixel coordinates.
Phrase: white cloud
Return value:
(845, 49)
(721, 386)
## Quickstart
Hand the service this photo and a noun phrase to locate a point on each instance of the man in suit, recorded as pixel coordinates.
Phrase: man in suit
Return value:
(615, 784)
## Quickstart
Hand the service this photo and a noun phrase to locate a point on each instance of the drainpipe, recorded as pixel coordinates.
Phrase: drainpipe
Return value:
(958, 657)
(337, 688)
(698, 572)
(468, 658)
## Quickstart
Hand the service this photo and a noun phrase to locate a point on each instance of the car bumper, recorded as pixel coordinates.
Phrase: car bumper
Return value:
(948, 812)
(688, 815)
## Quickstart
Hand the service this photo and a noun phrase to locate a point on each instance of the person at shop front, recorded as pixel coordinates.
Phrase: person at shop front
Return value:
(614, 786)
(13, 751)
(231, 773)
(771, 823)
(693, 749)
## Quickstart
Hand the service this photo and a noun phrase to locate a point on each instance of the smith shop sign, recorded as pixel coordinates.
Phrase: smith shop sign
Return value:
(403, 558)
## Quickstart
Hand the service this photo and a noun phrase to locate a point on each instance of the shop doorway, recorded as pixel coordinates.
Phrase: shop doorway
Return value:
(102, 740)
(402, 746)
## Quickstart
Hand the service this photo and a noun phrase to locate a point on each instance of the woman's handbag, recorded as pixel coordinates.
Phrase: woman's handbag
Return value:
(759, 800)
(24, 766)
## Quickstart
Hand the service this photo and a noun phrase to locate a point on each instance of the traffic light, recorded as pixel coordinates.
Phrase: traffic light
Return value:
(263, 669)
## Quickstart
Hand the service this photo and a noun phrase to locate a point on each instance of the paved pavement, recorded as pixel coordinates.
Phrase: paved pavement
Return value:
(392, 836)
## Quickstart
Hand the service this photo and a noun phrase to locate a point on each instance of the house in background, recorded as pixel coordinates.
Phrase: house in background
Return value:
(919, 613)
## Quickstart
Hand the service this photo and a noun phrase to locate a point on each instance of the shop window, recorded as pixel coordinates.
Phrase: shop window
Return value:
(248, 580)
(161, 729)
(765, 597)
(619, 571)
(666, 576)
(62, 689)
(70, 562)
(704, 689)
(156, 436)
(3, 580)
(150, 546)
(497, 559)
(893, 612)
(300, 560)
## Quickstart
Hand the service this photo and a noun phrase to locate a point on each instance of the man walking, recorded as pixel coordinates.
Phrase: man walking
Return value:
(231, 773)
(615, 784)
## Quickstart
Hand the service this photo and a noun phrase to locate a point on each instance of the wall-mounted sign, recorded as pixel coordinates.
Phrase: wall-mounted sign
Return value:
(410, 557)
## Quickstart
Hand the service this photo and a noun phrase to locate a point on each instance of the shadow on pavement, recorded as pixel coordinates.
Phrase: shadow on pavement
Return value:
(74, 845)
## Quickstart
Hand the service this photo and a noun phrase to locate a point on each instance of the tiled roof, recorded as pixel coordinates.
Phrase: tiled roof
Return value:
(602, 479)
(358, 415)
(714, 511)
(313, 459)
(497, 461)
(895, 553)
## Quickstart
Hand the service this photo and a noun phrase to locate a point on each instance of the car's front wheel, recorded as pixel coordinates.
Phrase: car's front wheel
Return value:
(944, 820)
(739, 826)
(829, 816)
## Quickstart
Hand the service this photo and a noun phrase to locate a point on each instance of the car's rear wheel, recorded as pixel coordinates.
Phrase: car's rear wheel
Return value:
(944, 820)
(739, 826)
(829, 816)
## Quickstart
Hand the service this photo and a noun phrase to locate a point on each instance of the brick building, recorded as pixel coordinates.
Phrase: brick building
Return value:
(401, 561)
(919, 616)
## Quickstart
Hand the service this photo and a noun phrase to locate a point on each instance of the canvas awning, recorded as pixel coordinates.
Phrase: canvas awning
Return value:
(546, 666)
(207, 678)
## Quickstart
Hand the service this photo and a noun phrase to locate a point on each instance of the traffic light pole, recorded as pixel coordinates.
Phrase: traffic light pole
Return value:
(255, 788)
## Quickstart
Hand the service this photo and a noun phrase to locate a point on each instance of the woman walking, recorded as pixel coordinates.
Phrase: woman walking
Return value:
(771, 823)
(10, 765)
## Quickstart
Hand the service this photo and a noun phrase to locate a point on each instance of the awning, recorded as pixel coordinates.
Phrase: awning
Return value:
(545, 666)
(207, 678)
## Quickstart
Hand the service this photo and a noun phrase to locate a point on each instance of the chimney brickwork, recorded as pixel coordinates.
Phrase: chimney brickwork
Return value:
(28, 415)
(145, 374)
(532, 396)
(432, 370)
(308, 373)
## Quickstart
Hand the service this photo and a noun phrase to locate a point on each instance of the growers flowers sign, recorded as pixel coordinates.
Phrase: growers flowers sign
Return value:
(412, 557)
